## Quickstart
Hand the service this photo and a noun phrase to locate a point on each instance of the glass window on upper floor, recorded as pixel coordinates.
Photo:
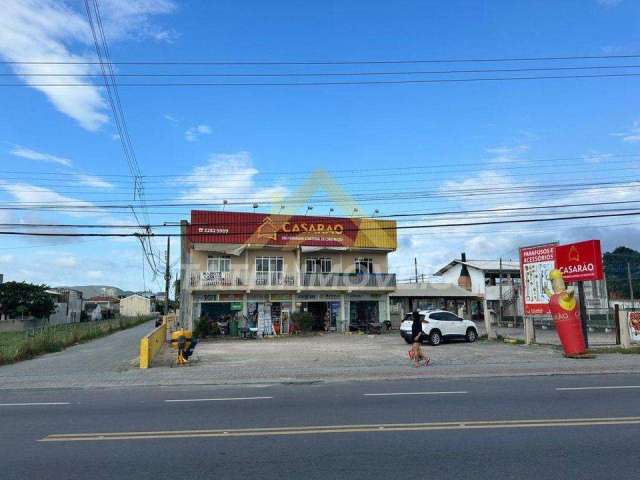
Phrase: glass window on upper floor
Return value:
(364, 265)
(218, 264)
(318, 265)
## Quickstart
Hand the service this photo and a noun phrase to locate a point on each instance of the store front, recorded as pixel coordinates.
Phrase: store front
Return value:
(325, 309)
(270, 314)
(362, 313)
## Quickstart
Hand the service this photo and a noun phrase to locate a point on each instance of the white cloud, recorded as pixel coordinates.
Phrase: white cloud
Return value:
(93, 181)
(29, 195)
(171, 118)
(64, 261)
(6, 258)
(192, 134)
(95, 274)
(57, 31)
(631, 136)
(239, 184)
(434, 247)
(27, 153)
(503, 153)
(115, 136)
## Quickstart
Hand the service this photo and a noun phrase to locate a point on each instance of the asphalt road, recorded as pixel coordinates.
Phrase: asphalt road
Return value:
(555, 427)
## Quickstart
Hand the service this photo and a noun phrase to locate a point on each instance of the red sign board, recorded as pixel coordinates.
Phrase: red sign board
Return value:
(578, 262)
(258, 228)
(535, 264)
(581, 261)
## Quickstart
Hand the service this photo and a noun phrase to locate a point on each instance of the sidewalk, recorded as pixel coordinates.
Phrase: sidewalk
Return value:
(110, 362)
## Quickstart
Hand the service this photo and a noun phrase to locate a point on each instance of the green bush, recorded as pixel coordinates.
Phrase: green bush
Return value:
(16, 346)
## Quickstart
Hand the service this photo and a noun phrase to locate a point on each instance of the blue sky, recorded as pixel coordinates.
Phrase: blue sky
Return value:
(245, 142)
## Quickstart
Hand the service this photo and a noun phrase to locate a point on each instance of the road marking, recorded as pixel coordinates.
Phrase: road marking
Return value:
(621, 387)
(413, 393)
(32, 404)
(315, 430)
(216, 399)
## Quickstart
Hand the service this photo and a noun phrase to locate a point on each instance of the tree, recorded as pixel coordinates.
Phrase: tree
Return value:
(21, 298)
(615, 268)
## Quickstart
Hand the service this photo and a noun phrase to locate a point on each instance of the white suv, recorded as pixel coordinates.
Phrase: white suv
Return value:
(439, 325)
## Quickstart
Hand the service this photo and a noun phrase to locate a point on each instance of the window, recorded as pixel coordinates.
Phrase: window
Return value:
(445, 317)
(318, 265)
(269, 270)
(364, 265)
(409, 317)
(218, 264)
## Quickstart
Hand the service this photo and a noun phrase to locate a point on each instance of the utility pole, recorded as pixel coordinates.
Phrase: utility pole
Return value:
(415, 264)
(167, 278)
(633, 303)
(500, 295)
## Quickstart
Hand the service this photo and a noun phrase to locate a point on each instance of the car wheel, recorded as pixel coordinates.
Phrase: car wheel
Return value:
(471, 335)
(435, 338)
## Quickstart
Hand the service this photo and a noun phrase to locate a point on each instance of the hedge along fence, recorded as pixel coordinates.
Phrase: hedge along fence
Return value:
(17, 346)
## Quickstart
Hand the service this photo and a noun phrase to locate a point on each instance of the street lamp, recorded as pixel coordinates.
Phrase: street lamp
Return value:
(255, 205)
(309, 207)
(375, 212)
(224, 204)
(355, 211)
(330, 211)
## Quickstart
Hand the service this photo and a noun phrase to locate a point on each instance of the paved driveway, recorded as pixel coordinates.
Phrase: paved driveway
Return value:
(110, 362)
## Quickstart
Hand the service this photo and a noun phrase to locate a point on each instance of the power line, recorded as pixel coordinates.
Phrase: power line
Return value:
(104, 57)
(516, 162)
(66, 187)
(452, 193)
(379, 217)
(402, 227)
(330, 62)
(328, 74)
(359, 82)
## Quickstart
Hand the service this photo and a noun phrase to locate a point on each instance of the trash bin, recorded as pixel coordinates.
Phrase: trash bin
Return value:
(233, 328)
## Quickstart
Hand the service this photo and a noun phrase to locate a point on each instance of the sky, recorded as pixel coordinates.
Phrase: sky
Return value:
(396, 148)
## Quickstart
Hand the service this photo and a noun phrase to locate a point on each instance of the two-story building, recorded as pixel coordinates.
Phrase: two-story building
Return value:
(268, 266)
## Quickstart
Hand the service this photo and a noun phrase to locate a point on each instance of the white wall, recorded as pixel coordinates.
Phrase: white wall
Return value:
(477, 278)
(135, 305)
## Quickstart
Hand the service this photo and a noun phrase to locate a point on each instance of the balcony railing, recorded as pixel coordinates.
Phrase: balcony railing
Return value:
(218, 280)
(349, 280)
(264, 280)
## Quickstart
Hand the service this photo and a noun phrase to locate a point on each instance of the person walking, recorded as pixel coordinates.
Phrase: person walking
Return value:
(416, 335)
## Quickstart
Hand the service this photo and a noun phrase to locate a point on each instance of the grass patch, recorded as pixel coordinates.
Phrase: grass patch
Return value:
(17, 346)
(633, 350)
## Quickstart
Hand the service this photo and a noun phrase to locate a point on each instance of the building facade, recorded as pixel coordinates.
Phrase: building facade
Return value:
(135, 305)
(265, 267)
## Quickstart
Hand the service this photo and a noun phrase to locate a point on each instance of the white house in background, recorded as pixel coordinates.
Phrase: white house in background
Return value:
(69, 305)
(135, 305)
(485, 282)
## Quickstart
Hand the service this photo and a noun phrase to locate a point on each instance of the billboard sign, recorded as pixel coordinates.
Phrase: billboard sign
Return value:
(580, 262)
(281, 230)
(535, 264)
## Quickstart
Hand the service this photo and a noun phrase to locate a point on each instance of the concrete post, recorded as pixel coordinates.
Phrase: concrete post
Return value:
(625, 337)
(529, 331)
(491, 334)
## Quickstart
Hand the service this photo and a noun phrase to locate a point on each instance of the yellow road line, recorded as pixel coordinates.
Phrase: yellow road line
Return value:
(314, 430)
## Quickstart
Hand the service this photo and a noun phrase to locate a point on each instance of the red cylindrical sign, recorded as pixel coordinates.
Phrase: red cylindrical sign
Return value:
(566, 316)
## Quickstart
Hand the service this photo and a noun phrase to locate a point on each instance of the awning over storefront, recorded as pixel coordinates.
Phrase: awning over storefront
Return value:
(227, 249)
